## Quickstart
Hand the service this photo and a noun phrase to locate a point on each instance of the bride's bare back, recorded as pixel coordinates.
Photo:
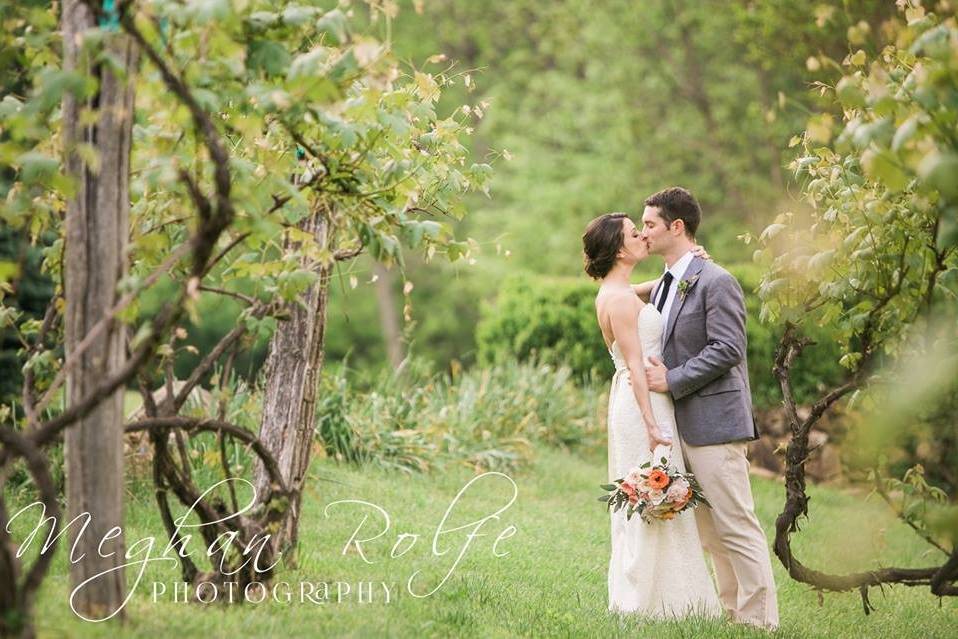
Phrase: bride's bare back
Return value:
(610, 298)
(617, 311)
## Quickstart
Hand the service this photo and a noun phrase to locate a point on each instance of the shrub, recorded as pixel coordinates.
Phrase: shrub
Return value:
(548, 319)
(487, 418)
(553, 320)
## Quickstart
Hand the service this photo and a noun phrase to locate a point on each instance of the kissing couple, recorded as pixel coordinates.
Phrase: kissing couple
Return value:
(680, 391)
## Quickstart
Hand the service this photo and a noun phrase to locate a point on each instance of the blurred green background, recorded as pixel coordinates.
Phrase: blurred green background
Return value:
(587, 108)
(594, 106)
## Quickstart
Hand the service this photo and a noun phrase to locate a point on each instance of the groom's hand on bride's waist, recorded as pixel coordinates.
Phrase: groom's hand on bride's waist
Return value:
(655, 374)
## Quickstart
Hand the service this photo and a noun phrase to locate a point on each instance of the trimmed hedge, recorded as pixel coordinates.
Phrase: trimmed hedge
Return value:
(553, 320)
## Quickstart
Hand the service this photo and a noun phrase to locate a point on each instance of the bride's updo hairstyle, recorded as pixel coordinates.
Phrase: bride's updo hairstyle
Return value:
(601, 243)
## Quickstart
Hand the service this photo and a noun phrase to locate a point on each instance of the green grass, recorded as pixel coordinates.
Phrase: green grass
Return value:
(551, 584)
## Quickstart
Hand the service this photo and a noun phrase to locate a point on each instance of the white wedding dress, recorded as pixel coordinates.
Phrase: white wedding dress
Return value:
(656, 570)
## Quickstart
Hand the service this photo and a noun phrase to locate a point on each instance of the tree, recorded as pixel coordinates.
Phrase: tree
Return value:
(97, 226)
(297, 144)
(876, 260)
(389, 159)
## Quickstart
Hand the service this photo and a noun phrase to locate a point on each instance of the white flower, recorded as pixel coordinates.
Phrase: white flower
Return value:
(657, 497)
(639, 478)
(678, 490)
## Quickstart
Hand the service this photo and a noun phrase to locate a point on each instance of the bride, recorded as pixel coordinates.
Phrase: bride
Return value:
(656, 570)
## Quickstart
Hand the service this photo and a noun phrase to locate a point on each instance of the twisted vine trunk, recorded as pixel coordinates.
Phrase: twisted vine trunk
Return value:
(293, 367)
(939, 578)
(19, 583)
(97, 223)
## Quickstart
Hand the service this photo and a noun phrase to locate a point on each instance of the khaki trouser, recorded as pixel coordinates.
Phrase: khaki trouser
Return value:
(731, 533)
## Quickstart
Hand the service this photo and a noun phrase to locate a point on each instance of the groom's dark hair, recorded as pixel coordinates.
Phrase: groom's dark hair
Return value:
(676, 203)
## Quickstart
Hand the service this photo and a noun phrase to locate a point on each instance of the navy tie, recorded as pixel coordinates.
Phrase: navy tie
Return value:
(665, 291)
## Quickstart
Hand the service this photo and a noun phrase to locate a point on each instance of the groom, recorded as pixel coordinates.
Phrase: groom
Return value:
(703, 346)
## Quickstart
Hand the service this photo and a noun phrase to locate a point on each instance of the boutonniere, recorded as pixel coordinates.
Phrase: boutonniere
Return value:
(686, 285)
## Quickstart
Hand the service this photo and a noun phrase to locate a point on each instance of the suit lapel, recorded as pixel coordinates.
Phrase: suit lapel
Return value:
(695, 267)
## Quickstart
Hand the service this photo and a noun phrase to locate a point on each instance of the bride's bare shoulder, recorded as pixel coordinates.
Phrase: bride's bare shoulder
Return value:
(618, 301)
(617, 293)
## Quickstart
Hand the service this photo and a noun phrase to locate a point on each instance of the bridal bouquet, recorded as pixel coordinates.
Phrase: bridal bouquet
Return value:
(655, 492)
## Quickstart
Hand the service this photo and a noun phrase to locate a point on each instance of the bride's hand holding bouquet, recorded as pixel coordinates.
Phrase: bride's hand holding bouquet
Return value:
(657, 492)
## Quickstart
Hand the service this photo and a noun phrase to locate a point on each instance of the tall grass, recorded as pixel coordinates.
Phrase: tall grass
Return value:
(488, 419)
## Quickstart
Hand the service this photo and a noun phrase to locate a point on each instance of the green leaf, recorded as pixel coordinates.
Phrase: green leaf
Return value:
(426, 86)
(309, 63)
(943, 521)
(767, 289)
(883, 167)
(262, 20)
(771, 231)
(296, 15)
(948, 230)
(334, 24)
(821, 260)
(209, 100)
(904, 132)
(849, 93)
(396, 123)
(413, 233)
(344, 68)
(268, 56)
(879, 131)
(940, 172)
(390, 245)
(858, 58)
(431, 228)
(934, 43)
(9, 105)
(8, 271)
(54, 83)
(36, 167)
(344, 130)
(203, 11)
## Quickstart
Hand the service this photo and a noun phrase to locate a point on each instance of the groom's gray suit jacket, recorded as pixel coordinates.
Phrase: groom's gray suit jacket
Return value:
(704, 350)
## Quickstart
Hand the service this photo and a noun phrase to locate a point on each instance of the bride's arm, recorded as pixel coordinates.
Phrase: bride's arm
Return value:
(644, 290)
(624, 318)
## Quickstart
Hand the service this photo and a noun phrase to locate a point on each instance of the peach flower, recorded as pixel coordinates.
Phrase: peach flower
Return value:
(658, 480)
(630, 491)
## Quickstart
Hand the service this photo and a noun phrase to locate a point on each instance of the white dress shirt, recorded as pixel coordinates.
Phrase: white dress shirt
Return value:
(678, 271)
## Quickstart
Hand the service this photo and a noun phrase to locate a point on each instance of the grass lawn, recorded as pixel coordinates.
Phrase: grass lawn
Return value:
(552, 582)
